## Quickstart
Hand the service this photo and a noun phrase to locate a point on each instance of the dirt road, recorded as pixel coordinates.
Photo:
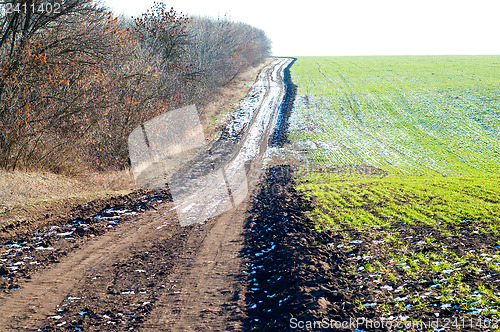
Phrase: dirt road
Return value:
(126, 268)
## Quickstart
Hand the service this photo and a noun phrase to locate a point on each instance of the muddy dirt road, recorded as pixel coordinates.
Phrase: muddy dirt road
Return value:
(132, 266)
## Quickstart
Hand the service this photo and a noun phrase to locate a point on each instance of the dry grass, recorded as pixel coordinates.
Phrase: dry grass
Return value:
(28, 195)
(218, 111)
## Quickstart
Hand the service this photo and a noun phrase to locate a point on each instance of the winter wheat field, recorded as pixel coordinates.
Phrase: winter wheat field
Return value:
(397, 161)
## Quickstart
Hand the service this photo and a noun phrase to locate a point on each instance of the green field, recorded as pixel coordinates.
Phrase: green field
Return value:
(405, 114)
(422, 190)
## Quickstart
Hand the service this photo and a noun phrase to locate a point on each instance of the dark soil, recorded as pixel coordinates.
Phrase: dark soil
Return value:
(291, 271)
(296, 272)
(280, 136)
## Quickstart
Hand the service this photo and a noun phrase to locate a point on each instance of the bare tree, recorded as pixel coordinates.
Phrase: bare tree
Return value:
(74, 80)
(220, 50)
(53, 79)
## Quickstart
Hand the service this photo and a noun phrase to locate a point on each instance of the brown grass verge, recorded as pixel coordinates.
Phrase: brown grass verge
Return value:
(218, 112)
(30, 195)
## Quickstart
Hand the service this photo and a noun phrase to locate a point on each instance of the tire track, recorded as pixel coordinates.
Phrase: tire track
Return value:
(199, 288)
(211, 294)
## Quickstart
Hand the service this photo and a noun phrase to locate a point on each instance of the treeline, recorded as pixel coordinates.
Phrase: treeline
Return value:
(74, 82)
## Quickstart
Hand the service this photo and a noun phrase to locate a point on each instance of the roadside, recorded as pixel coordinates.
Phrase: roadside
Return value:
(130, 265)
(31, 200)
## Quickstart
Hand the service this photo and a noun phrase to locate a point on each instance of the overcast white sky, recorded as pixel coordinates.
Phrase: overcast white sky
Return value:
(355, 27)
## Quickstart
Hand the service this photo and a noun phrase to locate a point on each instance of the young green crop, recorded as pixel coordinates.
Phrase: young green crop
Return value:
(412, 145)
(412, 115)
(442, 203)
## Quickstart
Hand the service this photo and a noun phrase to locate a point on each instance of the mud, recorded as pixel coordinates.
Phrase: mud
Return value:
(280, 136)
(121, 296)
(23, 253)
(291, 270)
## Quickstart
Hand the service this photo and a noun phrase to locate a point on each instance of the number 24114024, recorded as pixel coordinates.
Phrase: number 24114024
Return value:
(35, 8)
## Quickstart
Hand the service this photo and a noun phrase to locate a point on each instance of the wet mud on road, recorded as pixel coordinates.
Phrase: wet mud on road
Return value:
(128, 264)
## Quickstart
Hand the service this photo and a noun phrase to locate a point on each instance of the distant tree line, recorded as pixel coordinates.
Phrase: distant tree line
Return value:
(75, 81)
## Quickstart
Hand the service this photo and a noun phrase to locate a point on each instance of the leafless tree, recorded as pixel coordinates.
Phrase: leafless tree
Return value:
(75, 81)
